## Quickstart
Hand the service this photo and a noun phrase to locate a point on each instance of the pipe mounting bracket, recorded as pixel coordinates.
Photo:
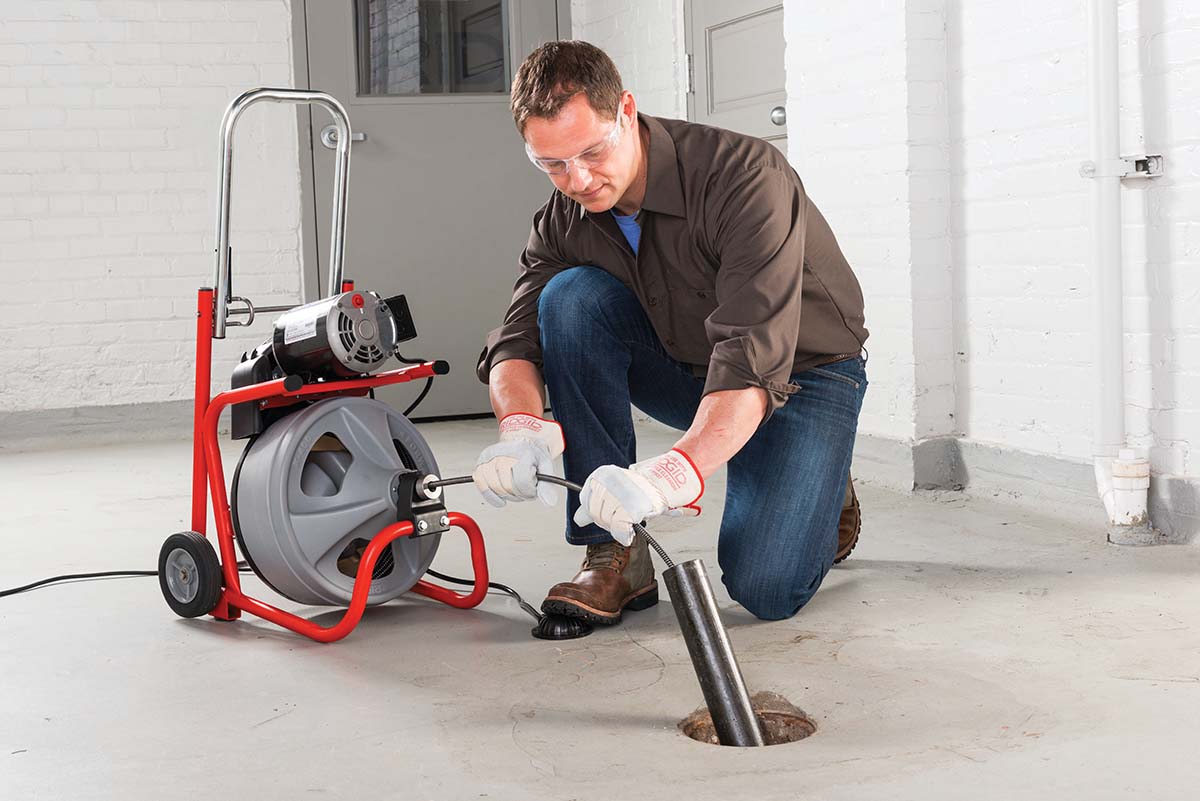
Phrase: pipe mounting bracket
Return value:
(1146, 165)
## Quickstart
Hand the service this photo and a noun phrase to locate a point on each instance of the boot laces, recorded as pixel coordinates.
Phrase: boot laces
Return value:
(605, 555)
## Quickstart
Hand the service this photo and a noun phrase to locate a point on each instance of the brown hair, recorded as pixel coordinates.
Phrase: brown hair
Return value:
(557, 71)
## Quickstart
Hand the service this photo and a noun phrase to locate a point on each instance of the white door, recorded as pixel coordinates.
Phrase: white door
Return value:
(441, 192)
(737, 72)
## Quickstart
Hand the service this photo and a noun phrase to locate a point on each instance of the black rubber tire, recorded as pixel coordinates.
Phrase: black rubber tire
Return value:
(208, 574)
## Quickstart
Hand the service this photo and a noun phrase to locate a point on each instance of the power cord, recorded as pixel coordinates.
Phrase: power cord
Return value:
(78, 577)
(242, 568)
(428, 382)
(493, 585)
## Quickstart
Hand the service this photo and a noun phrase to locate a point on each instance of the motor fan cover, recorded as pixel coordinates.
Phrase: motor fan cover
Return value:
(321, 482)
(340, 336)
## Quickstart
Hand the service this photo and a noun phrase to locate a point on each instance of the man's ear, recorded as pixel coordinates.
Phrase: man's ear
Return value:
(628, 103)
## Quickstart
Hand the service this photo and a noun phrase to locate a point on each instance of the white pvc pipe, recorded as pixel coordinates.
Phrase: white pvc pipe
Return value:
(1109, 411)
(1122, 478)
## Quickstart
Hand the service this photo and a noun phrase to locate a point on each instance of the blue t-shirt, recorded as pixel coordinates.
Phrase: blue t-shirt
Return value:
(629, 226)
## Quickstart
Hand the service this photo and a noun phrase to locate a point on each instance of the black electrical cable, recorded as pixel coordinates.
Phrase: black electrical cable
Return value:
(421, 397)
(495, 586)
(78, 576)
(242, 567)
(428, 382)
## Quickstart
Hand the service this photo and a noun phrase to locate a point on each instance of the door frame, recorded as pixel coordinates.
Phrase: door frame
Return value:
(689, 57)
(689, 48)
(310, 248)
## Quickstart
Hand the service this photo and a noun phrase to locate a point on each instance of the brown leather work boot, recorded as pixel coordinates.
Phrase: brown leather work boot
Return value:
(849, 524)
(613, 578)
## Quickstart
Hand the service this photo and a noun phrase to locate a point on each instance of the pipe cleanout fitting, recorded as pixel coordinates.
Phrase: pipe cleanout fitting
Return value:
(712, 655)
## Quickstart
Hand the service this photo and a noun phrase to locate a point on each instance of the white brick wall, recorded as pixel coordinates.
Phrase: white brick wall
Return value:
(1021, 227)
(645, 40)
(848, 139)
(1020, 224)
(994, 325)
(1160, 99)
(109, 115)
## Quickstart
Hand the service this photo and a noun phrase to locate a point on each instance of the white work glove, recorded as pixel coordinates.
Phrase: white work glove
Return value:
(506, 471)
(615, 498)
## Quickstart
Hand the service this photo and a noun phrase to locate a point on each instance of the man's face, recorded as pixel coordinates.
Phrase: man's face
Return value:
(577, 134)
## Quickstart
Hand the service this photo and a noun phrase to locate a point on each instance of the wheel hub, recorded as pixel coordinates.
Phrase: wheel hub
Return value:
(181, 575)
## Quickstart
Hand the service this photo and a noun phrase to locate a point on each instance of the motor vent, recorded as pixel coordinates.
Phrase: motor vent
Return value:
(345, 329)
(369, 353)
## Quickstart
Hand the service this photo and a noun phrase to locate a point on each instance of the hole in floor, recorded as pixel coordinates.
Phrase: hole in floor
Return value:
(782, 721)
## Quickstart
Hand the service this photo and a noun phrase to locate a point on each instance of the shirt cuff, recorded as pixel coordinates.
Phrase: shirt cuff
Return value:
(495, 352)
(732, 367)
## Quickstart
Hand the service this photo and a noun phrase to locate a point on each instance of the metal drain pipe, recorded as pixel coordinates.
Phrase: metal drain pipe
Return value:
(708, 644)
(707, 640)
(712, 655)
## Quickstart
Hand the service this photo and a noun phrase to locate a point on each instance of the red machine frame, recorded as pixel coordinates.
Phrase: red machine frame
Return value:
(208, 474)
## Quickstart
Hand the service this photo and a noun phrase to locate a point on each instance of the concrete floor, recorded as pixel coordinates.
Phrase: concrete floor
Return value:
(968, 649)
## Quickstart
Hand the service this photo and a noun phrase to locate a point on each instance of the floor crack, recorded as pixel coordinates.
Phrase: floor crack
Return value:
(662, 663)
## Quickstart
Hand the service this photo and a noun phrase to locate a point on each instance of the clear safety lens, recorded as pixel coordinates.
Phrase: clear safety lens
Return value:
(590, 158)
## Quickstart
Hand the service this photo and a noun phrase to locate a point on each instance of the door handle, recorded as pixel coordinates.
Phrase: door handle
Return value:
(329, 137)
(779, 115)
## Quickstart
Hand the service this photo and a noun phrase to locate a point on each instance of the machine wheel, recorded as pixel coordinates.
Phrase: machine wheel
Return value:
(189, 574)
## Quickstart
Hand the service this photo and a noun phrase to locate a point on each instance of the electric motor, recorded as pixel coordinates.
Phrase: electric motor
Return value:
(336, 337)
(343, 336)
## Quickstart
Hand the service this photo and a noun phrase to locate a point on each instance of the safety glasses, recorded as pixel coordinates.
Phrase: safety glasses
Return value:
(594, 156)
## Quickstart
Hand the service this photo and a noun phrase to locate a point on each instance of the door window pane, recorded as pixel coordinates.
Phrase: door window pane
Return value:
(431, 47)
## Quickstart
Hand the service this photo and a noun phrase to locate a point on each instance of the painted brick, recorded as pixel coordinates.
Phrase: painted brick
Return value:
(107, 186)
(645, 39)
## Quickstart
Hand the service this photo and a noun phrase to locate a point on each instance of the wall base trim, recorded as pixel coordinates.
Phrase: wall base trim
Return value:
(44, 429)
(1047, 482)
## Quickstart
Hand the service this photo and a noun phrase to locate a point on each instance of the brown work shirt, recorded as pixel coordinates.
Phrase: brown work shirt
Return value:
(737, 270)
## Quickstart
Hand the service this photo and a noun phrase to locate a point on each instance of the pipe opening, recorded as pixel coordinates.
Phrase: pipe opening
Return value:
(780, 719)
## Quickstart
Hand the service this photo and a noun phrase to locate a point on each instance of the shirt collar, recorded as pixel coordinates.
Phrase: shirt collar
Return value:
(664, 188)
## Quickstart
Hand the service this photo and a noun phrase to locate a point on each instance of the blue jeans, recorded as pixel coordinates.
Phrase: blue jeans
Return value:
(785, 487)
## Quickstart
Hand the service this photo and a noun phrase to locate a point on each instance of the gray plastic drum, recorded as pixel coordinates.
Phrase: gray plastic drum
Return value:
(316, 486)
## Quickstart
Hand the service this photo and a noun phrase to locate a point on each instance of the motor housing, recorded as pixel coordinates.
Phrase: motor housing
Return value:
(336, 337)
(301, 345)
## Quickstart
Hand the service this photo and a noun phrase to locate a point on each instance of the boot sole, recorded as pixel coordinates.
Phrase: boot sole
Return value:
(567, 607)
(842, 555)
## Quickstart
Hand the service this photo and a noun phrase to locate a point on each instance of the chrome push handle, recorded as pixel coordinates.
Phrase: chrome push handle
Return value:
(341, 179)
